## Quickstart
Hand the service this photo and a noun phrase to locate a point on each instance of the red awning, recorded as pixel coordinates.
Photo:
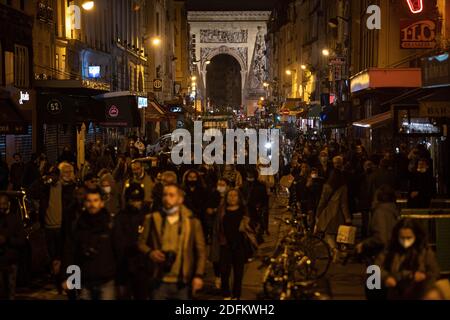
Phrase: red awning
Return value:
(376, 78)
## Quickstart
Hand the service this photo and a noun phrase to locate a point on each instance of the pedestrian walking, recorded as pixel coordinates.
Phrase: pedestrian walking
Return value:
(173, 241)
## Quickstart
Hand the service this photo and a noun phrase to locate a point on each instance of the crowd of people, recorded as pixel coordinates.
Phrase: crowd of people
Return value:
(332, 182)
(142, 232)
(137, 231)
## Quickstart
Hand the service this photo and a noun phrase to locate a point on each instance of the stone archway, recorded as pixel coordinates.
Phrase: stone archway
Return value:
(239, 54)
(224, 86)
(239, 34)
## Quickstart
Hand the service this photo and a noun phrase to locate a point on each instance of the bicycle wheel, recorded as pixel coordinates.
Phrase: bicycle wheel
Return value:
(316, 256)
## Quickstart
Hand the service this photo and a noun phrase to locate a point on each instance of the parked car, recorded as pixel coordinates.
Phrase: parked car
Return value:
(34, 258)
(163, 144)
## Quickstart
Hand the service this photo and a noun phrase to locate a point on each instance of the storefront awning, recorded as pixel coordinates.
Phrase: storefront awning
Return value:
(12, 120)
(377, 78)
(375, 121)
(155, 112)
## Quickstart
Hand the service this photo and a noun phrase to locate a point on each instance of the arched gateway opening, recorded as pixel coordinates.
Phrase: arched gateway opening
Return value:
(224, 83)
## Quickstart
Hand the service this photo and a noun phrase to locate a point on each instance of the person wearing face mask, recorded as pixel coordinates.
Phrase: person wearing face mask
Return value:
(409, 264)
(141, 177)
(194, 194)
(111, 194)
(216, 199)
(132, 274)
(231, 174)
(421, 186)
(12, 242)
(173, 242)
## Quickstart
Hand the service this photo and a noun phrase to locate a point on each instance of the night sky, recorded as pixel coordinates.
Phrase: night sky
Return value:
(230, 4)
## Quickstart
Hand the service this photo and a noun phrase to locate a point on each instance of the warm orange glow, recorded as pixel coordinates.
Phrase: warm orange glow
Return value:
(416, 6)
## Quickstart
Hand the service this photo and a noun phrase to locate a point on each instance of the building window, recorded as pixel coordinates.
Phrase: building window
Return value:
(57, 62)
(21, 66)
(9, 68)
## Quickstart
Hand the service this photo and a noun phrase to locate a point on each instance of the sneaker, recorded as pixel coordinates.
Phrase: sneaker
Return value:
(218, 283)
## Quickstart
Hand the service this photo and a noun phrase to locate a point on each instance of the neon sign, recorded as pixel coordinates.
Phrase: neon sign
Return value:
(416, 6)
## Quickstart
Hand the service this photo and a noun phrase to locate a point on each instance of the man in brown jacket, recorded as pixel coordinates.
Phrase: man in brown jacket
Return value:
(174, 243)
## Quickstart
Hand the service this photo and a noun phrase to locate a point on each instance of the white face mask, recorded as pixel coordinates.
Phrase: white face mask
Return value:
(107, 190)
(171, 211)
(221, 189)
(407, 243)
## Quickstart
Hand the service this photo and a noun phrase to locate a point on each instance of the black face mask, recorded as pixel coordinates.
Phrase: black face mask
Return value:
(192, 183)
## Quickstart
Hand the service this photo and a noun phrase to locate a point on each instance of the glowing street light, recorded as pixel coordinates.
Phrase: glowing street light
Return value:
(289, 72)
(88, 5)
(303, 67)
(156, 41)
(325, 52)
(261, 99)
(208, 62)
(265, 84)
(194, 78)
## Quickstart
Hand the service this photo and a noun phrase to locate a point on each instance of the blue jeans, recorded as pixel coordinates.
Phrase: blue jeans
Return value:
(170, 291)
(105, 291)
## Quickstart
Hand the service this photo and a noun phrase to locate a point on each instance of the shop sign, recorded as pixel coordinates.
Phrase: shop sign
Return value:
(417, 34)
(157, 85)
(435, 109)
(13, 129)
(113, 112)
(142, 102)
(24, 96)
(54, 106)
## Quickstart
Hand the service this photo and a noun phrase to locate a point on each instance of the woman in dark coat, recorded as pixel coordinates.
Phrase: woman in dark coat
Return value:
(409, 264)
(232, 225)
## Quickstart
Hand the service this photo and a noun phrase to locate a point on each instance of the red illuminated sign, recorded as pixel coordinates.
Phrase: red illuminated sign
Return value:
(416, 6)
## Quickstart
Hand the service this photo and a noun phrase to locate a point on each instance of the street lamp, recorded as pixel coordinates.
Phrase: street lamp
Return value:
(262, 99)
(266, 84)
(303, 66)
(193, 78)
(88, 5)
(289, 72)
(325, 52)
(156, 41)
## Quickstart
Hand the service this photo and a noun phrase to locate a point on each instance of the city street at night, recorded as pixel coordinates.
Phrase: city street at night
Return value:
(268, 151)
